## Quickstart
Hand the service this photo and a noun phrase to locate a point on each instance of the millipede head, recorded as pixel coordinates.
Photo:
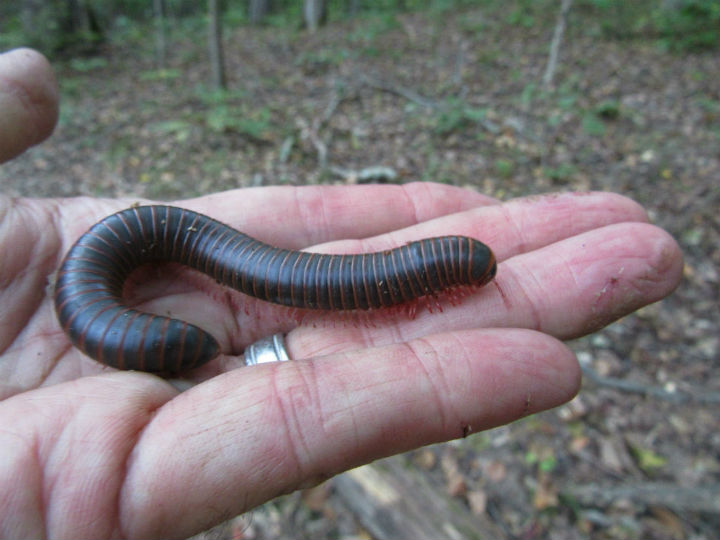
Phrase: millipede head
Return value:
(483, 265)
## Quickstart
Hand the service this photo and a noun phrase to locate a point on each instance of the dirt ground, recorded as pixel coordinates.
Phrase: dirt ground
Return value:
(456, 98)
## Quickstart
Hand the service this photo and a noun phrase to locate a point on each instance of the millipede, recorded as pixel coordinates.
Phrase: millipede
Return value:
(89, 286)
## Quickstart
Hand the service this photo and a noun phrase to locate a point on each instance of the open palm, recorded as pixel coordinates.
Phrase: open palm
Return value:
(88, 451)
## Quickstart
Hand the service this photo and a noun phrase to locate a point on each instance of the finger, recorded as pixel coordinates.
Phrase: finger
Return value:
(515, 226)
(518, 225)
(567, 289)
(63, 464)
(28, 100)
(295, 218)
(588, 281)
(580, 284)
(249, 435)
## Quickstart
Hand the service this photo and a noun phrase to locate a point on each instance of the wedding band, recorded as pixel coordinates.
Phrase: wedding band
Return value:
(265, 350)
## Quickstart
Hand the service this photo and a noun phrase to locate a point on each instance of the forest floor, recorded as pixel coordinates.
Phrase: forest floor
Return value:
(456, 98)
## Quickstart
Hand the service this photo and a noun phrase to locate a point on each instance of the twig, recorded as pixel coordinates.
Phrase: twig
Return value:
(367, 175)
(460, 62)
(675, 396)
(555, 44)
(696, 499)
(401, 91)
(335, 101)
(418, 99)
(311, 130)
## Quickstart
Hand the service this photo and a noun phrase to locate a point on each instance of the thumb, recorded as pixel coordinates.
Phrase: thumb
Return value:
(28, 101)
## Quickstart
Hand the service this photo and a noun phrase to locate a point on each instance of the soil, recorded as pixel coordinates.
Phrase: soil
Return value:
(456, 98)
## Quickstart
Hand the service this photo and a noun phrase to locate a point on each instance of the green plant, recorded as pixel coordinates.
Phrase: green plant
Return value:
(647, 459)
(373, 27)
(562, 173)
(180, 129)
(322, 59)
(608, 109)
(224, 118)
(528, 94)
(457, 115)
(689, 25)
(504, 168)
(593, 125)
(160, 74)
(680, 25)
(212, 96)
(520, 17)
(545, 461)
(11, 33)
(88, 64)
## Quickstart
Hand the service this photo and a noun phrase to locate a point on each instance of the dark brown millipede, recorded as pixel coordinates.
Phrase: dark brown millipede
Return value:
(88, 291)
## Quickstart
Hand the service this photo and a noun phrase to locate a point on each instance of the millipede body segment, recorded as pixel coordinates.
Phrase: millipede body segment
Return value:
(88, 291)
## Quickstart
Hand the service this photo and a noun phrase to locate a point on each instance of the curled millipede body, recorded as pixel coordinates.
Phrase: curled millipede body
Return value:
(88, 291)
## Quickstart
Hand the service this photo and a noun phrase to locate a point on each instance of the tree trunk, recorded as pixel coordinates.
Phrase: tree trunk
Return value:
(315, 14)
(257, 10)
(160, 33)
(353, 7)
(32, 11)
(217, 61)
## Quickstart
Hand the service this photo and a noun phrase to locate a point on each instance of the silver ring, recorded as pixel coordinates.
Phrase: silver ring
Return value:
(265, 350)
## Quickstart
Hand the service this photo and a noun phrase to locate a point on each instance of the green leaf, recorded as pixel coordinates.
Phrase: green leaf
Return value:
(648, 460)
(160, 74)
(548, 464)
(504, 168)
(88, 64)
(593, 124)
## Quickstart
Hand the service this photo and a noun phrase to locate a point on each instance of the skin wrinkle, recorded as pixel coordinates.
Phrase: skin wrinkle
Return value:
(33, 273)
(280, 461)
(294, 463)
(325, 420)
(49, 368)
(41, 496)
(127, 464)
(362, 409)
(411, 203)
(300, 397)
(49, 484)
(31, 448)
(38, 379)
(394, 327)
(314, 220)
(513, 225)
(520, 291)
(442, 386)
(569, 269)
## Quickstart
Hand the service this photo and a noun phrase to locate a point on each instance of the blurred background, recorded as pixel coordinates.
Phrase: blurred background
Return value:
(176, 98)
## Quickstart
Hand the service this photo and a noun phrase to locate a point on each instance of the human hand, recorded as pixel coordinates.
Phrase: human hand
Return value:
(91, 452)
